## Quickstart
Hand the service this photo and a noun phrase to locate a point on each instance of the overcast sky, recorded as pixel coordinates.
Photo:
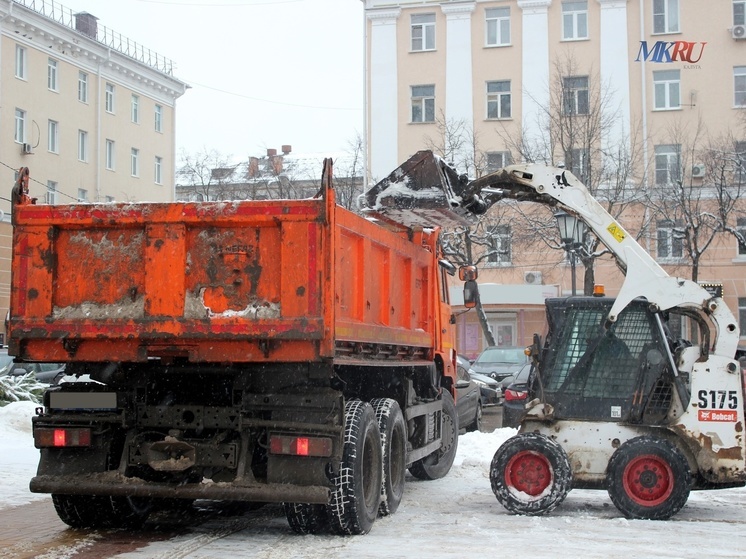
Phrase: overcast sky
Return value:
(262, 72)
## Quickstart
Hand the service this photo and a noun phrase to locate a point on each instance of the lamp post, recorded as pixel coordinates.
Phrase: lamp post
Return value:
(571, 231)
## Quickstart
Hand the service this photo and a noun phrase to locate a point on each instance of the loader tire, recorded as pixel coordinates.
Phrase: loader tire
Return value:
(530, 474)
(648, 478)
(353, 505)
(304, 518)
(90, 511)
(438, 464)
(394, 451)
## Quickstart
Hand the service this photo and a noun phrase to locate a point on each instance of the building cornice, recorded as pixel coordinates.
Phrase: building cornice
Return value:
(613, 3)
(534, 6)
(463, 9)
(381, 17)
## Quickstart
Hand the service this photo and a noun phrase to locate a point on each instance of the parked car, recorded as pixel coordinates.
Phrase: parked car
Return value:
(47, 373)
(489, 388)
(516, 397)
(468, 403)
(500, 362)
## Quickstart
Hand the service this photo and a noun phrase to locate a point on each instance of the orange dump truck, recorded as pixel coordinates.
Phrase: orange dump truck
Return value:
(268, 351)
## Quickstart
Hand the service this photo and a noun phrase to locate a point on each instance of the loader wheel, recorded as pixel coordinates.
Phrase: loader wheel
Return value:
(394, 451)
(304, 518)
(530, 474)
(648, 478)
(438, 464)
(356, 496)
(91, 511)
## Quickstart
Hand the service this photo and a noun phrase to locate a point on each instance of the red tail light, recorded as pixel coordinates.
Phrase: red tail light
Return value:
(300, 446)
(512, 395)
(62, 437)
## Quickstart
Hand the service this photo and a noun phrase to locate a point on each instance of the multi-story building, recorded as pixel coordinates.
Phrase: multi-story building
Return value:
(88, 111)
(640, 95)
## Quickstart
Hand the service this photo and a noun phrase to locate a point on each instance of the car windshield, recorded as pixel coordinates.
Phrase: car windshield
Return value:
(510, 355)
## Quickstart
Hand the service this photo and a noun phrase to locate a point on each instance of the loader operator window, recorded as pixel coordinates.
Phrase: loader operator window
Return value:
(601, 373)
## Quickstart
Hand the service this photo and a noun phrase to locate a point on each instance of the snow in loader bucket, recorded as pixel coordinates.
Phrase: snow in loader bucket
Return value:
(424, 191)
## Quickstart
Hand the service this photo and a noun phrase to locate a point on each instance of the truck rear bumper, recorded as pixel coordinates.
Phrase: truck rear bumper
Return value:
(114, 485)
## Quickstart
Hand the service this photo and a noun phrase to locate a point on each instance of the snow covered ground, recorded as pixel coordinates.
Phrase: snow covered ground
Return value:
(454, 517)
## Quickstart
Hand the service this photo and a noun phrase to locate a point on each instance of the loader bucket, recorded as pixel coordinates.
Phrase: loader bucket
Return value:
(422, 192)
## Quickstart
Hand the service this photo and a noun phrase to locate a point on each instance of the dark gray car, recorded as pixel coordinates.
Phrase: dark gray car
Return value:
(500, 362)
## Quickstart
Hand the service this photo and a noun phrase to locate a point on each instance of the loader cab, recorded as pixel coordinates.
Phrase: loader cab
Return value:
(618, 372)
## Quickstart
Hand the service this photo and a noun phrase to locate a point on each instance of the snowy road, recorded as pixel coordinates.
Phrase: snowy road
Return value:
(457, 516)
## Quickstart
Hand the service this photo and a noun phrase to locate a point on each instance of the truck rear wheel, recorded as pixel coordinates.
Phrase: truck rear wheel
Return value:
(648, 478)
(394, 451)
(356, 496)
(438, 464)
(530, 474)
(93, 511)
(305, 518)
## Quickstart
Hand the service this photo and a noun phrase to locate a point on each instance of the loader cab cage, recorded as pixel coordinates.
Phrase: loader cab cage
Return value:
(624, 372)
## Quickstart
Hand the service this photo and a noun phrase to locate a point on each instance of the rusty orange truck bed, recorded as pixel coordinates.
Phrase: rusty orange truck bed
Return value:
(234, 350)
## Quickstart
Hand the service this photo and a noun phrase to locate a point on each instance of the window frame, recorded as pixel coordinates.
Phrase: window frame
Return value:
(158, 170)
(425, 26)
(497, 23)
(672, 153)
(82, 195)
(158, 116)
(666, 87)
(53, 136)
(664, 232)
(110, 155)
(506, 159)
(424, 103)
(497, 98)
(742, 314)
(19, 129)
(741, 228)
(574, 96)
(53, 75)
(739, 79)
(135, 109)
(21, 62)
(666, 17)
(739, 12)
(50, 196)
(83, 86)
(135, 162)
(576, 18)
(498, 236)
(579, 163)
(109, 98)
(83, 146)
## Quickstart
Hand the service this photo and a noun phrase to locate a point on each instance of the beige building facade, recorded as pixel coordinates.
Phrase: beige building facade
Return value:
(667, 79)
(88, 111)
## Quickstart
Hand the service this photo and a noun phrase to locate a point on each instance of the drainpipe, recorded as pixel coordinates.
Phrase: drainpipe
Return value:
(100, 147)
(644, 101)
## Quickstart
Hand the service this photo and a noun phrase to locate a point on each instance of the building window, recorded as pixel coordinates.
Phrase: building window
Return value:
(158, 169)
(110, 199)
(53, 132)
(423, 32)
(109, 98)
(741, 228)
(110, 155)
(739, 12)
(51, 195)
(20, 62)
(742, 313)
(52, 75)
(82, 145)
(575, 95)
(740, 170)
(158, 118)
(667, 164)
(667, 89)
(670, 239)
(134, 162)
(577, 162)
(82, 87)
(135, 109)
(497, 26)
(497, 160)
(423, 103)
(574, 20)
(499, 245)
(82, 195)
(739, 81)
(19, 134)
(665, 16)
(498, 99)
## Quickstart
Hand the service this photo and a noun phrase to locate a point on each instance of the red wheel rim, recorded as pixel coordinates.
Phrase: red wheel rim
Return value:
(648, 480)
(529, 472)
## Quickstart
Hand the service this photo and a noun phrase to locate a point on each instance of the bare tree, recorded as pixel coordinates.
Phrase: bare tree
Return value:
(348, 174)
(206, 173)
(458, 143)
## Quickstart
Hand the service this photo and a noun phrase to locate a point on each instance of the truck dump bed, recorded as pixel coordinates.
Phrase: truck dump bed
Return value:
(283, 280)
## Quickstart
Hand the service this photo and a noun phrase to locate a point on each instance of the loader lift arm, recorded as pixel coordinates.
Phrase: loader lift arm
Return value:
(555, 187)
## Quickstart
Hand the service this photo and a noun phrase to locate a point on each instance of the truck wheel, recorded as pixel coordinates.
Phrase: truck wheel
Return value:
(356, 496)
(648, 478)
(530, 474)
(304, 518)
(92, 511)
(78, 511)
(394, 451)
(438, 464)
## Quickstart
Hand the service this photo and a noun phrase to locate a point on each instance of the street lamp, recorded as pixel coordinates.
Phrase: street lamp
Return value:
(572, 231)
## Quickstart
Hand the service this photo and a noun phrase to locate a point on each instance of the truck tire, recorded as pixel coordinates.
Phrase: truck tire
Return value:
(438, 464)
(530, 474)
(356, 496)
(92, 511)
(648, 478)
(394, 451)
(305, 518)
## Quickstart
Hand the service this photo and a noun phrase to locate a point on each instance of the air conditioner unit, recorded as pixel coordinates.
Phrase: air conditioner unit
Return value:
(738, 31)
(532, 278)
(26, 148)
(698, 171)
